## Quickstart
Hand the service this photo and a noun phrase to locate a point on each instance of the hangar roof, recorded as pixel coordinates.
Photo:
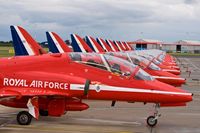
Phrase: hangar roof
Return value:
(158, 42)
(146, 41)
(185, 42)
(189, 42)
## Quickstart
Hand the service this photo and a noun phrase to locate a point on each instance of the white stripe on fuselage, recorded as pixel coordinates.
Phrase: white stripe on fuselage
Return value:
(170, 70)
(56, 43)
(163, 77)
(124, 89)
(25, 43)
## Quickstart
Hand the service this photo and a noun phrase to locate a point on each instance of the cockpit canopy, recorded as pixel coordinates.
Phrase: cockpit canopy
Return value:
(106, 62)
(109, 63)
(135, 59)
(161, 57)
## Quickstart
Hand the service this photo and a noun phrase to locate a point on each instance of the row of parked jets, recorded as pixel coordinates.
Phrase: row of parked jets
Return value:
(50, 84)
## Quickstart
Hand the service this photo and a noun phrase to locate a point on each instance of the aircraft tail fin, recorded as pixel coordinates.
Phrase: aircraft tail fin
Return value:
(23, 43)
(129, 46)
(125, 46)
(122, 46)
(56, 44)
(94, 44)
(104, 45)
(112, 45)
(79, 45)
(118, 45)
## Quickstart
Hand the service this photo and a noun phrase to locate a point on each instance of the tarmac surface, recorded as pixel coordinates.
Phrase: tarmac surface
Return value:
(123, 118)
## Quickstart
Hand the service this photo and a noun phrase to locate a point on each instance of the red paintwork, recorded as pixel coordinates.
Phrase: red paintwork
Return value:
(118, 45)
(108, 48)
(38, 50)
(131, 48)
(175, 82)
(161, 73)
(61, 43)
(100, 49)
(60, 67)
(113, 45)
(84, 44)
(124, 46)
(56, 73)
(168, 69)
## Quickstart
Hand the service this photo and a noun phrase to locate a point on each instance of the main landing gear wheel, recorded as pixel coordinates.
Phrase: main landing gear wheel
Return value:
(151, 121)
(24, 118)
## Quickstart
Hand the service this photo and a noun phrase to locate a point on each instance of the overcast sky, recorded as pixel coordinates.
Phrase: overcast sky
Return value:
(166, 20)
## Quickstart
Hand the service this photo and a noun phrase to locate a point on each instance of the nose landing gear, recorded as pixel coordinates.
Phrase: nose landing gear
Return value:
(153, 119)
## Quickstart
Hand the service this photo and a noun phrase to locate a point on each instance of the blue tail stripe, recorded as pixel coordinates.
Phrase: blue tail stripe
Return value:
(89, 43)
(51, 44)
(17, 43)
(75, 45)
(99, 42)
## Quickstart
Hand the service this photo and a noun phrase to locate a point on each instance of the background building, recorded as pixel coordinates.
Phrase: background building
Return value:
(142, 44)
(182, 46)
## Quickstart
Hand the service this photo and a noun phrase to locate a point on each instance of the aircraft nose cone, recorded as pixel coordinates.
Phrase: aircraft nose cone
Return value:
(184, 97)
(177, 95)
(190, 98)
(183, 80)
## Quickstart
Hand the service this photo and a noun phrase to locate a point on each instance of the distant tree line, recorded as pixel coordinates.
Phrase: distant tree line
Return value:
(6, 43)
(43, 44)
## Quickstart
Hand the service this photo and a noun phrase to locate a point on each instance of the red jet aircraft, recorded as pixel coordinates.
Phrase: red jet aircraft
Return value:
(145, 64)
(61, 81)
(57, 45)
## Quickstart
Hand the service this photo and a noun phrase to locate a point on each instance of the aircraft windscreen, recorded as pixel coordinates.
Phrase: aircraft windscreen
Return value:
(147, 57)
(144, 60)
(161, 57)
(138, 60)
(120, 66)
(119, 55)
(91, 59)
(142, 75)
(154, 67)
(156, 62)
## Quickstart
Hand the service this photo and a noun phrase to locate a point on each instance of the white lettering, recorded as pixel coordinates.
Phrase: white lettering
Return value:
(56, 85)
(21, 83)
(40, 84)
(25, 84)
(11, 82)
(61, 85)
(66, 86)
(34, 84)
(45, 84)
(5, 82)
(51, 85)
(17, 81)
